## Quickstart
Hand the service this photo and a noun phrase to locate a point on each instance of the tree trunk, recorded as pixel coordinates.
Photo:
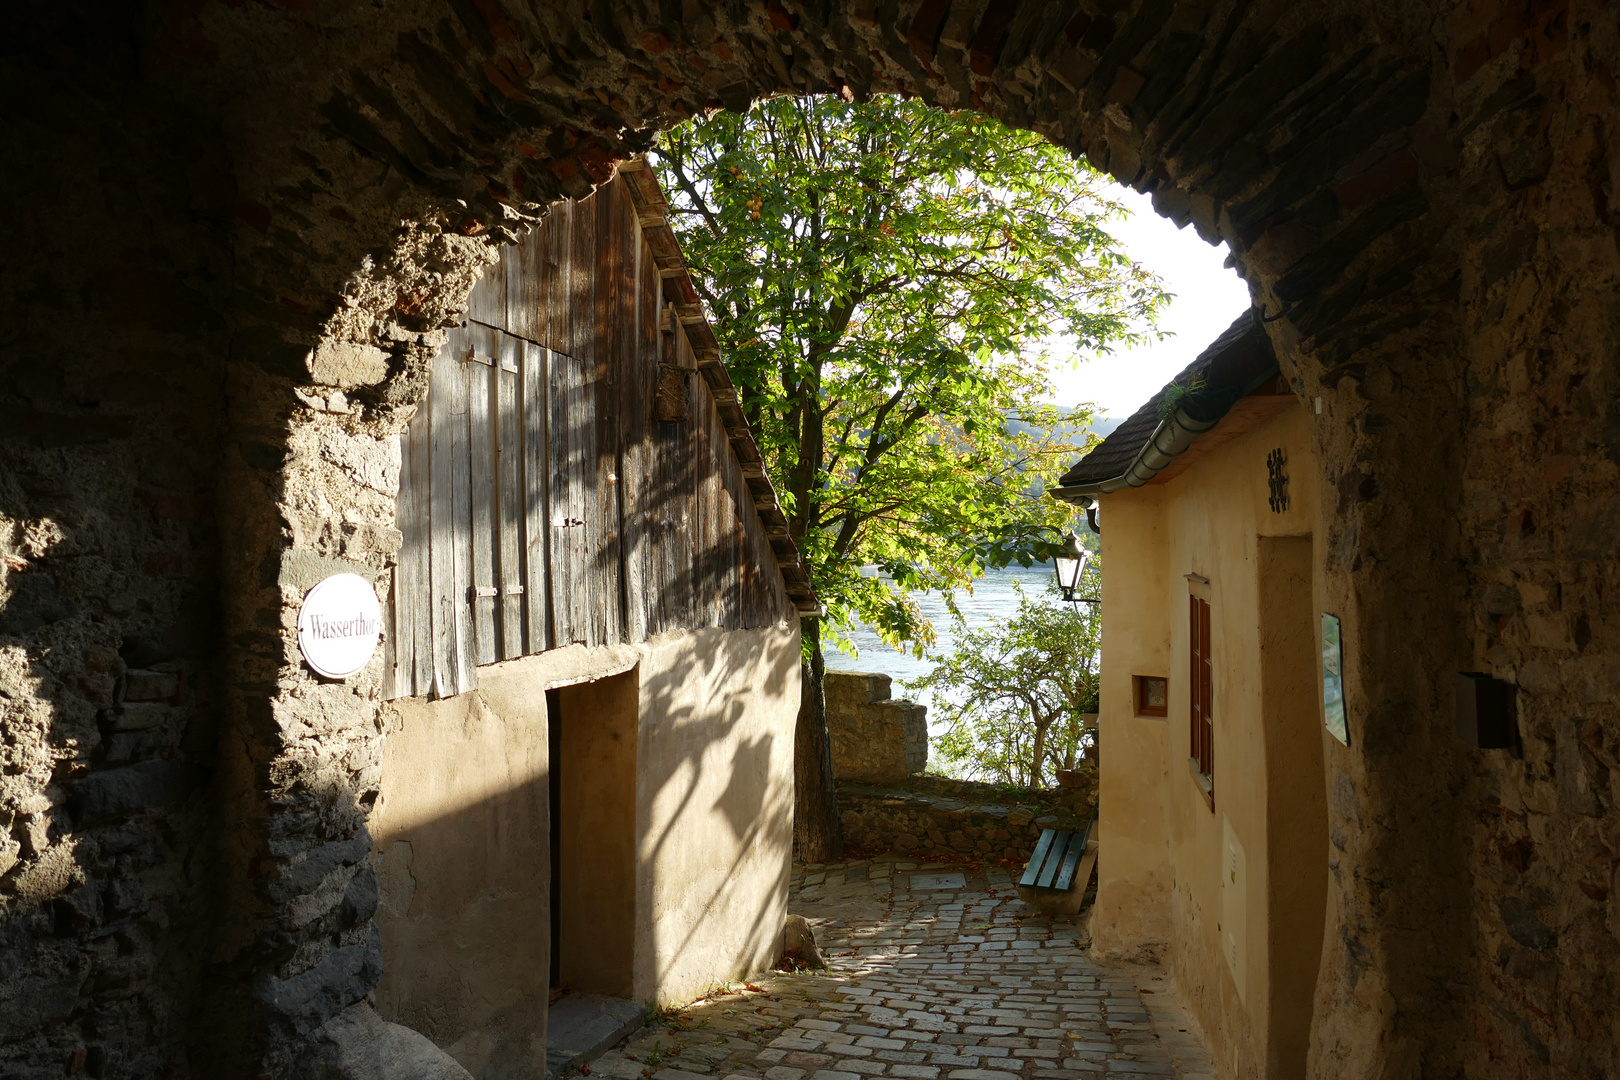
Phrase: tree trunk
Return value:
(1038, 753)
(816, 832)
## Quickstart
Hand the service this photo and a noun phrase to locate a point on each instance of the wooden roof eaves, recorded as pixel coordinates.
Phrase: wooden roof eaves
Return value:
(652, 211)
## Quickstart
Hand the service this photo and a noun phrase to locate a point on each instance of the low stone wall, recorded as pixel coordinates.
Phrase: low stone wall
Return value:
(875, 738)
(933, 814)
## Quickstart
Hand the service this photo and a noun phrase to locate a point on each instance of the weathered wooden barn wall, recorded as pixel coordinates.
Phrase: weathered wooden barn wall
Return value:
(543, 502)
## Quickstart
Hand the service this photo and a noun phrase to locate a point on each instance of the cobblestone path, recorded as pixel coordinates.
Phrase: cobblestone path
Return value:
(931, 977)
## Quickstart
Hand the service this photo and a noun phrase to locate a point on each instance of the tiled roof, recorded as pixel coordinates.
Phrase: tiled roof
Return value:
(1230, 367)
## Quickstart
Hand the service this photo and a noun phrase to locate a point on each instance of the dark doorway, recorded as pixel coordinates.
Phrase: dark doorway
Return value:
(591, 735)
(1296, 795)
(554, 761)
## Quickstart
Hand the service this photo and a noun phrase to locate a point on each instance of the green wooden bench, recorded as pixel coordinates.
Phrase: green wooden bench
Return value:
(1061, 860)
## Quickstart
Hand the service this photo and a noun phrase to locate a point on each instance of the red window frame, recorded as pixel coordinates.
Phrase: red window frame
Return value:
(1201, 697)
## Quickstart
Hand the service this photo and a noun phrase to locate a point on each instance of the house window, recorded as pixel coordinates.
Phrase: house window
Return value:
(1200, 697)
(1152, 695)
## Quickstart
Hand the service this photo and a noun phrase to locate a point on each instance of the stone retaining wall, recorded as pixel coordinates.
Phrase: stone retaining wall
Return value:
(875, 739)
(937, 815)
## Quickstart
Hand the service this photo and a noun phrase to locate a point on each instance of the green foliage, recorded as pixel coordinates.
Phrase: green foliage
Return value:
(882, 279)
(1013, 696)
(1176, 395)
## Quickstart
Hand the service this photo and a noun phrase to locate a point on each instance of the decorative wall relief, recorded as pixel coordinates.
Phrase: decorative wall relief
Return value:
(1277, 480)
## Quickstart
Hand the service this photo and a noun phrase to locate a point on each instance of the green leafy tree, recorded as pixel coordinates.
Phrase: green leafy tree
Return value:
(882, 278)
(1014, 697)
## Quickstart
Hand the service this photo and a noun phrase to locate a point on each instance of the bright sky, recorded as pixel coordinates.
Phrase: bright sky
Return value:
(1206, 298)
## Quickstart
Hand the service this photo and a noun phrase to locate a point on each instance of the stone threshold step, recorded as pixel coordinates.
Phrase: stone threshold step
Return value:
(581, 1026)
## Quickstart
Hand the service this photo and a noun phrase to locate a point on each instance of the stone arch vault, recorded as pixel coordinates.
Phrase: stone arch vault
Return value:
(238, 231)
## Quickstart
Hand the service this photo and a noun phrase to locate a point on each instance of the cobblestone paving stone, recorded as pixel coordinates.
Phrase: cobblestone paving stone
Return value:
(924, 984)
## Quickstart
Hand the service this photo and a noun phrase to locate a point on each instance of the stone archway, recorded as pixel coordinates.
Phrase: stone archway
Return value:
(1421, 201)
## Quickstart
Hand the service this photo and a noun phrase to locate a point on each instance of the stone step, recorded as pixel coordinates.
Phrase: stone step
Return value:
(581, 1026)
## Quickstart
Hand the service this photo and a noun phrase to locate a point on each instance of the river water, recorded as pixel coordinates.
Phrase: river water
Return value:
(993, 600)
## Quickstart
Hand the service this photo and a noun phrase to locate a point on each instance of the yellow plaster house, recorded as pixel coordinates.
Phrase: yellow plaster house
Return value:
(1213, 824)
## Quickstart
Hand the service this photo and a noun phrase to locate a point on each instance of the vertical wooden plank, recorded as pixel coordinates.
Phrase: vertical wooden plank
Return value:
(661, 503)
(581, 310)
(725, 467)
(563, 542)
(400, 679)
(720, 521)
(592, 444)
(479, 377)
(703, 582)
(730, 477)
(732, 618)
(638, 500)
(714, 525)
(767, 595)
(560, 279)
(390, 634)
(486, 304)
(536, 482)
(416, 527)
(522, 281)
(572, 466)
(445, 678)
(458, 387)
(510, 578)
(684, 484)
(611, 333)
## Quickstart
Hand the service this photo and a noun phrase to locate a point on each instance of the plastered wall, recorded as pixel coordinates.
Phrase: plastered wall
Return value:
(676, 824)
(1231, 896)
(1134, 875)
(714, 807)
(462, 870)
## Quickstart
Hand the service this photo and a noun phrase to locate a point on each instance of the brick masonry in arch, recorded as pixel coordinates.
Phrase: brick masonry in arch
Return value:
(225, 198)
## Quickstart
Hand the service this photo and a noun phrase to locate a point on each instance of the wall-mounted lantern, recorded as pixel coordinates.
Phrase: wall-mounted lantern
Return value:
(1071, 564)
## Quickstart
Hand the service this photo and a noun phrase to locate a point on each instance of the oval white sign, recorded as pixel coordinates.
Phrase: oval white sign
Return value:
(339, 625)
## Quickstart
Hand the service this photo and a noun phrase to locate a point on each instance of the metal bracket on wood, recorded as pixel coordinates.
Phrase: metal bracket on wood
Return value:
(474, 357)
(485, 590)
(513, 590)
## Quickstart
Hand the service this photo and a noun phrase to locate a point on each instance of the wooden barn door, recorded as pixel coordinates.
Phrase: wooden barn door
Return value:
(471, 586)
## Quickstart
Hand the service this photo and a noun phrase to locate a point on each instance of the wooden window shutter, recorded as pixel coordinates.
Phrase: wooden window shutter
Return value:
(1200, 691)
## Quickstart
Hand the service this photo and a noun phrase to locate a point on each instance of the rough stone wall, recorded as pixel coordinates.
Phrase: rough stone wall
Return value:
(875, 739)
(111, 417)
(937, 815)
(245, 226)
(1536, 155)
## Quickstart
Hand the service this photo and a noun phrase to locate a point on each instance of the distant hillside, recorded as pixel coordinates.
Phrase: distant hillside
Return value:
(1072, 432)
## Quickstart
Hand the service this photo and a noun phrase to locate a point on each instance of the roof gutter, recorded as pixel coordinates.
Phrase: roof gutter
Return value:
(1173, 435)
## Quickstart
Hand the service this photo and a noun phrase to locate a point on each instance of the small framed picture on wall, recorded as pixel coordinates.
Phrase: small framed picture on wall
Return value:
(1152, 695)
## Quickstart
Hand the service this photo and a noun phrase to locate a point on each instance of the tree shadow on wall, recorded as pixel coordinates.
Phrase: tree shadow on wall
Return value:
(706, 844)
